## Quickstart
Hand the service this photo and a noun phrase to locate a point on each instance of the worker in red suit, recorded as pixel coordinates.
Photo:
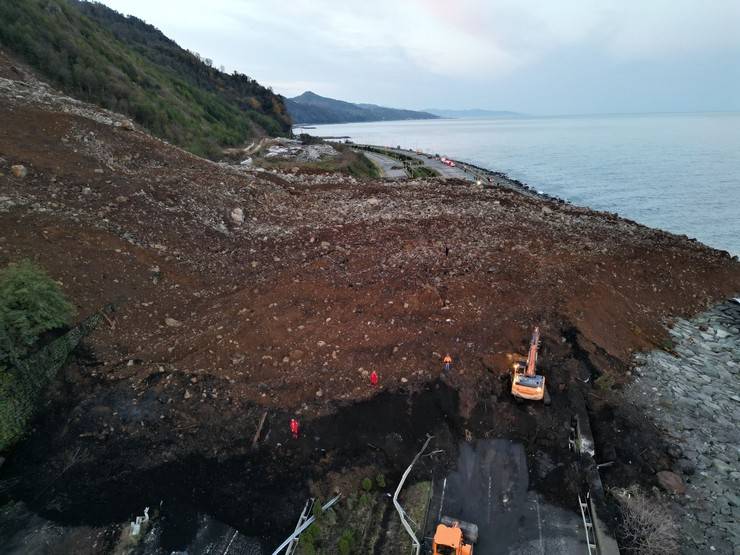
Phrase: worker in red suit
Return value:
(294, 428)
(448, 362)
(373, 378)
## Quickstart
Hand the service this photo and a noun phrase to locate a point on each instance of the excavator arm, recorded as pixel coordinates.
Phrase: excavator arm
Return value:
(534, 346)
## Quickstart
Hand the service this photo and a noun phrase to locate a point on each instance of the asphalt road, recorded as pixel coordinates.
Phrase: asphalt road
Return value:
(490, 487)
(442, 169)
(389, 167)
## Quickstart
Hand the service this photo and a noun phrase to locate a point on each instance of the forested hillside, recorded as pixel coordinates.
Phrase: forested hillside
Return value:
(124, 64)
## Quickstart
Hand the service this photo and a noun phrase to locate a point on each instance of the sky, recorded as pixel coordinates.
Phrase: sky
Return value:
(542, 57)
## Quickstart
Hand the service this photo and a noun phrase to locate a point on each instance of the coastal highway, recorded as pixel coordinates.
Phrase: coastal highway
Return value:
(433, 163)
(489, 486)
(461, 170)
(389, 167)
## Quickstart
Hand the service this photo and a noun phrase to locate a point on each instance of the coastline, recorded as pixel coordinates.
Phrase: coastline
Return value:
(491, 178)
(654, 169)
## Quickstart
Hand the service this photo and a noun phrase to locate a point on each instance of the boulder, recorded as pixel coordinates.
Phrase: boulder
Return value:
(237, 216)
(19, 170)
(671, 482)
(171, 322)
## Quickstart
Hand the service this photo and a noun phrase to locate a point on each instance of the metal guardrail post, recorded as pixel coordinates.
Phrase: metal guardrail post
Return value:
(305, 525)
(401, 512)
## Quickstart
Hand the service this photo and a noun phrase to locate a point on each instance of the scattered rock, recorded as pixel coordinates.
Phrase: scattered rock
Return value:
(319, 393)
(671, 482)
(19, 170)
(171, 322)
(120, 199)
(187, 395)
(237, 216)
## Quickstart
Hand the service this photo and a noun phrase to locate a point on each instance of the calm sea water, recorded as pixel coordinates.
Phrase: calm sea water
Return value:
(678, 172)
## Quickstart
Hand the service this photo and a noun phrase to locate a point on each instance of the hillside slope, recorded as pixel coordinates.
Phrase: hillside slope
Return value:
(312, 108)
(123, 64)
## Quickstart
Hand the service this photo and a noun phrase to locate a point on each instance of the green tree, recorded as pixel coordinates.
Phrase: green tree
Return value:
(30, 304)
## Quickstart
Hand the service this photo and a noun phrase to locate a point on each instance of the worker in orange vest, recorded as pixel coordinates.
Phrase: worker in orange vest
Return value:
(294, 428)
(373, 378)
(448, 362)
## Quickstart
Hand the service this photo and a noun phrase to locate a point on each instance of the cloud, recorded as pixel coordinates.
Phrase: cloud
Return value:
(393, 51)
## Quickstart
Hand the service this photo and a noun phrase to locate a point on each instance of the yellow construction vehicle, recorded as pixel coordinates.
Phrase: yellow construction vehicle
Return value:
(454, 537)
(525, 382)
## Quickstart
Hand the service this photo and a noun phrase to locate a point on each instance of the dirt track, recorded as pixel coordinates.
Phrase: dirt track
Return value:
(326, 279)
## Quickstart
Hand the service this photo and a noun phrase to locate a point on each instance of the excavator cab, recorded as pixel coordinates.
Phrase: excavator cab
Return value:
(454, 537)
(525, 382)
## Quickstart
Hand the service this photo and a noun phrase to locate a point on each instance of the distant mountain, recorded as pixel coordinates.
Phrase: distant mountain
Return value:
(473, 113)
(312, 108)
(124, 64)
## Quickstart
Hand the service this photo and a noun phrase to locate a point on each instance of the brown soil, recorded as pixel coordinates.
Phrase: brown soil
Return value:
(327, 279)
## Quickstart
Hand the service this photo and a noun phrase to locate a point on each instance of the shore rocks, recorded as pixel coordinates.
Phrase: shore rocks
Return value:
(691, 395)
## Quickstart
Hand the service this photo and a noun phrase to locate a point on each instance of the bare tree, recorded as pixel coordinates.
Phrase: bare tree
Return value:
(648, 525)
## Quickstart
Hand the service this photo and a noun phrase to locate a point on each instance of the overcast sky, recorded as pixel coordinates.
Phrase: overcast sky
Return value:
(534, 56)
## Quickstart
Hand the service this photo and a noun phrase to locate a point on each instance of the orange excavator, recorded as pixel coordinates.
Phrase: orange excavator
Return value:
(454, 537)
(525, 382)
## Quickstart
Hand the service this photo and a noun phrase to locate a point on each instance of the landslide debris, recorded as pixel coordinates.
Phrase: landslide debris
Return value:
(241, 291)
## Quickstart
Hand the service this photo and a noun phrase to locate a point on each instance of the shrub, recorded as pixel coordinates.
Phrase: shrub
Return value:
(605, 382)
(380, 481)
(346, 542)
(648, 526)
(367, 484)
(30, 304)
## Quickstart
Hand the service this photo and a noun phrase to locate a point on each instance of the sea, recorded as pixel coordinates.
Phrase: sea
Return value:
(677, 172)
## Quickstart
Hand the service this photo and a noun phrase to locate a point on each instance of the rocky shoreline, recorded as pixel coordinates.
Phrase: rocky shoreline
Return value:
(692, 392)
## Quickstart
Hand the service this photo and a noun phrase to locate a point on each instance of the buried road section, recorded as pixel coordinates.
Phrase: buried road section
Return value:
(489, 487)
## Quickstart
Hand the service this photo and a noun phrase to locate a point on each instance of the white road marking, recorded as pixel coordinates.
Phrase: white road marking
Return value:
(442, 501)
(490, 487)
(539, 526)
